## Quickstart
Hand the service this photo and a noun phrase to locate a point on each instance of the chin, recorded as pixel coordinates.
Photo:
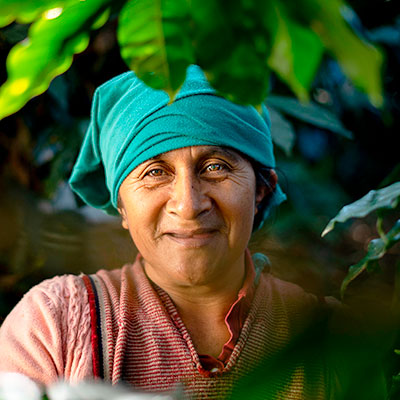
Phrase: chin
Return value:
(194, 271)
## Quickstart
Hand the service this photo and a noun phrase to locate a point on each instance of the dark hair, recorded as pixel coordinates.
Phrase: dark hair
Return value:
(263, 179)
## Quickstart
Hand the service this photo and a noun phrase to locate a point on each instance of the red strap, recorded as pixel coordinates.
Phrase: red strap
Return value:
(93, 323)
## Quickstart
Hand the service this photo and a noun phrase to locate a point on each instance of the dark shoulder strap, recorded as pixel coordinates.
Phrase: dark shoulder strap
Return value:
(97, 350)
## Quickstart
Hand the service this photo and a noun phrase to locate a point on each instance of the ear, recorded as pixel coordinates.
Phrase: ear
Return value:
(264, 190)
(122, 212)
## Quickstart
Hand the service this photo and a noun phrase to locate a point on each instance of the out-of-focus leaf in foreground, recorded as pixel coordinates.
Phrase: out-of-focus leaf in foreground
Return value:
(155, 41)
(360, 61)
(296, 51)
(237, 46)
(386, 198)
(26, 11)
(48, 51)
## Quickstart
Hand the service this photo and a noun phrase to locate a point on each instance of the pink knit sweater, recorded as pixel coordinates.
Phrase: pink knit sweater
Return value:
(48, 336)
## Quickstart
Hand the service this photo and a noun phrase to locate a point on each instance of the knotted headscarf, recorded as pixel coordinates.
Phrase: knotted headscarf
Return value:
(131, 123)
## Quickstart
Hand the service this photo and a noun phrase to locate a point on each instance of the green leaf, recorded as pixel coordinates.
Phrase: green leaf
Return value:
(155, 43)
(386, 198)
(232, 46)
(26, 11)
(243, 77)
(296, 51)
(360, 61)
(282, 132)
(48, 51)
(310, 113)
(377, 248)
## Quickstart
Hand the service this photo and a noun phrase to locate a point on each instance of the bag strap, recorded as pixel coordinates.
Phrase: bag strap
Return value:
(97, 348)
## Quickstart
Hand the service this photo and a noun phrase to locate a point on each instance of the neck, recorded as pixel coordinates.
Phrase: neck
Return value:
(209, 296)
(203, 307)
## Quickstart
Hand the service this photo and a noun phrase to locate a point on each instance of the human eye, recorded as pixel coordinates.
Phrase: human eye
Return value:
(155, 172)
(216, 168)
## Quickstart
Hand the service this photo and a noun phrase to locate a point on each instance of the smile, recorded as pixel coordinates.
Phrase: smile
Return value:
(194, 239)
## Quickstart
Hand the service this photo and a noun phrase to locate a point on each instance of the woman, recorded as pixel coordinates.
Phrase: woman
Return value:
(191, 180)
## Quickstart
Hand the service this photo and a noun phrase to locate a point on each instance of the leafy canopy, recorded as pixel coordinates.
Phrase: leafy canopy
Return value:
(237, 46)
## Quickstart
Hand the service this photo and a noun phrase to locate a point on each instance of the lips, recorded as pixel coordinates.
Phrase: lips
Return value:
(185, 234)
(192, 238)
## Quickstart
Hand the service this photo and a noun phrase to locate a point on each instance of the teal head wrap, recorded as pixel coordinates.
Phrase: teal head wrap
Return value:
(131, 123)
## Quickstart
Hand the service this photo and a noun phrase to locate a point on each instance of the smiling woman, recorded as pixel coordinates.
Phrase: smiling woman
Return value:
(191, 180)
(190, 213)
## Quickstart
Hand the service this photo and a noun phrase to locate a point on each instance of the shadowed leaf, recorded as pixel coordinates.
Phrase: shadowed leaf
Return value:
(282, 132)
(310, 113)
(155, 42)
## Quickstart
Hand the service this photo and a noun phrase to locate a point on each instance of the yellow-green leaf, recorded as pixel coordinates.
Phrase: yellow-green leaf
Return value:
(48, 51)
(26, 11)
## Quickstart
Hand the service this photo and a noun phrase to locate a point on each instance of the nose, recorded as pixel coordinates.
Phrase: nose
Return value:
(188, 198)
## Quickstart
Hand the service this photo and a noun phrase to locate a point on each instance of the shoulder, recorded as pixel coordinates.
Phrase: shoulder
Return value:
(291, 294)
(302, 309)
(65, 292)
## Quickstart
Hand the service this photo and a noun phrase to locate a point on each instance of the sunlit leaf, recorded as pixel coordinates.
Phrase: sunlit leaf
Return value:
(377, 248)
(155, 43)
(296, 51)
(48, 51)
(282, 132)
(386, 198)
(360, 61)
(310, 113)
(26, 11)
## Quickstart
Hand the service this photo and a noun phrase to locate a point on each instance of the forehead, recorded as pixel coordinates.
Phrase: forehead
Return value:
(201, 152)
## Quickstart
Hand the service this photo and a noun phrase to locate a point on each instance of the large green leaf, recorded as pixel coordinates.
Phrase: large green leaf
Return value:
(232, 46)
(360, 61)
(48, 51)
(236, 45)
(310, 113)
(296, 51)
(155, 42)
(386, 198)
(377, 248)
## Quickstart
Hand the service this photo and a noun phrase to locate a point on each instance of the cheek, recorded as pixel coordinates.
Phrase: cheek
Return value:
(239, 207)
(142, 216)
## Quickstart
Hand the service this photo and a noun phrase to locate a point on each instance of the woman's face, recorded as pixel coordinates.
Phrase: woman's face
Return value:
(190, 213)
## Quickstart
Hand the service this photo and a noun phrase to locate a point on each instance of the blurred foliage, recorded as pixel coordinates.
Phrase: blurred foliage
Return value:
(237, 46)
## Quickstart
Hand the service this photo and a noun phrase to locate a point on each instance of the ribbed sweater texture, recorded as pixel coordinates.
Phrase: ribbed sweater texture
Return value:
(146, 344)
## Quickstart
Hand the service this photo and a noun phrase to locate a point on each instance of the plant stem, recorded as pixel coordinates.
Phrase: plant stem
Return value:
(379, 228)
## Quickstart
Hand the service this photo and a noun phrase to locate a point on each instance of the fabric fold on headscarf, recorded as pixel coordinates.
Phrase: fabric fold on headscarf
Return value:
(131, 123)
